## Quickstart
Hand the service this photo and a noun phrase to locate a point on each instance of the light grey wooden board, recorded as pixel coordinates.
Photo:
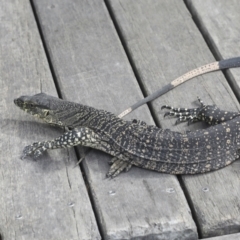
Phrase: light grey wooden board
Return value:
(235, 236)
(46, 199)
(92, 69)
(219, 22)
(164, 43)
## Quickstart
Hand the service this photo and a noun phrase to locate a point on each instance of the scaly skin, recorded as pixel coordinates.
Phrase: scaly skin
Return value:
(135, 143)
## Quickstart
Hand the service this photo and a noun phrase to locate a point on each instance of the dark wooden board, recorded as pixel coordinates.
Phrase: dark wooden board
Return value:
(44, 199)
(164, 43)
(92, 68)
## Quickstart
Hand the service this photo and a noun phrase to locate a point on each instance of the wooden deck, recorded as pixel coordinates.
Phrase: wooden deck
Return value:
(108, 54)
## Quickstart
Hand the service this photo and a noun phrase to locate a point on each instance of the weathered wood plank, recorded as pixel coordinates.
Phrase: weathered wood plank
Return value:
(46, 199)
(92, 69)
(235, 236)
(219, 22)
(164, 43)
(220, 212)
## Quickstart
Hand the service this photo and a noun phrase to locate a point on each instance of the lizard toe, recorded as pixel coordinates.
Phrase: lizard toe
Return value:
(117, 167)
(112, 160)
(35, 149)
(38, 152)
(28, 150)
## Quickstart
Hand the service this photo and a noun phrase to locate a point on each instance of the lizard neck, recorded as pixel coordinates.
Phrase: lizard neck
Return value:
(75, 115)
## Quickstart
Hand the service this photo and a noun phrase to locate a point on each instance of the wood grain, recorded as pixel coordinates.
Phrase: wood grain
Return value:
(44, 199)
(92, 68)
(219, 206)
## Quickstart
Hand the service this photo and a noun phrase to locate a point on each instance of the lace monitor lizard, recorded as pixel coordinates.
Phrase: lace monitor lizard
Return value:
(134, 142)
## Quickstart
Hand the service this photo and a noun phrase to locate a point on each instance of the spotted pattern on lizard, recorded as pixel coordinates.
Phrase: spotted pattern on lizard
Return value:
(135, 143)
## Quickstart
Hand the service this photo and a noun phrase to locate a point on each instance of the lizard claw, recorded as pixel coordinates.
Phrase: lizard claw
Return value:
(166, 114)
(36, 149)
(166, 106)
(117, 167)
(169, 114)
(177, 121)
(23, 156)
(190, 120)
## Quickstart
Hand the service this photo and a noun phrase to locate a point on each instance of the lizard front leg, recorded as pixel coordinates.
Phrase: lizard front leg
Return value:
(78, 136)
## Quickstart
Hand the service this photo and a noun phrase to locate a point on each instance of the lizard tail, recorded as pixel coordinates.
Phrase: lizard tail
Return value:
(210, 67)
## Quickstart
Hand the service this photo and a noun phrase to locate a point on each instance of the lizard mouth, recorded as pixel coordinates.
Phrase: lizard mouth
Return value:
(31, 108)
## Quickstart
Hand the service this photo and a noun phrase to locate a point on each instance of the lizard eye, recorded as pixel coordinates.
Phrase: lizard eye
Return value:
(29, 104)
(46, 113)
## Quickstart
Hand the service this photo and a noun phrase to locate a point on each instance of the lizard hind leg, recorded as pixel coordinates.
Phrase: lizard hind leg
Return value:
(184, 114)
(210, 114)
(117, 166)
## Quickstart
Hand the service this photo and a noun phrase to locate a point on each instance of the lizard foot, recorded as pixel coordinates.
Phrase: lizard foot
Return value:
(36, 149)
(184, 114)
(117, 166)
(139, 122)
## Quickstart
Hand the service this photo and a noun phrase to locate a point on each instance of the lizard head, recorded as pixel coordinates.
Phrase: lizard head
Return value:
(42, 106)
